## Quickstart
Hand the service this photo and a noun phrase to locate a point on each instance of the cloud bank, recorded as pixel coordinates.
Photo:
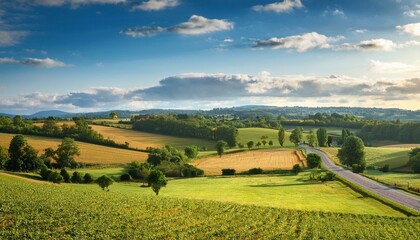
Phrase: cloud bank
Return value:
(412, 29)
(36, 62)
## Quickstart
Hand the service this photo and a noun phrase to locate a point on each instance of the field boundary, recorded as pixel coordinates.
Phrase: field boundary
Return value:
(388, 184)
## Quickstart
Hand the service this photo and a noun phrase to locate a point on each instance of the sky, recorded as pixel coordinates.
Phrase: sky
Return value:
(98, 55)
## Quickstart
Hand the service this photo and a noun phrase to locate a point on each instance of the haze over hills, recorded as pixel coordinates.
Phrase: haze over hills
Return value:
(389, 114)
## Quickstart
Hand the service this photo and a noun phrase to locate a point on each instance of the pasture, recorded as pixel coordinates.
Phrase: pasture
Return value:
(392, 178)
(89, 153)
(267, 159)
(142, 140)
(330, 130)
(254, 134)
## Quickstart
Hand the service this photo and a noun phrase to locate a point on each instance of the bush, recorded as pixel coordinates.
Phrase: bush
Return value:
(45, 173)
(228, 171)
(357, 168)
(384, 168)
(76, 177)
(296, 169)
(88, 178)
(125, 177)
(104, 182)
(55, 177)
(255, 171)
(65, 175)
(191, 171)
(313, 160)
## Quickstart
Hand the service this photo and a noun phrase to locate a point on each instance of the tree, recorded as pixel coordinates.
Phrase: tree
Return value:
(352, 152)
(270, 143)
(139, 170)
(312, 138)
(220, 147)
(330, 140)
(296, 169)
(104, 182)
(18, 121)
(313, 160)
(281, 135)
(76, 177)
(296, 136)
(23, 157)
(414, 161)
(50, 126)
(113, 115)
(264, 142)
(55, 177)
(250, 144)
(4, 157)
(258, 144)
(157, 180)
(87, 178)
(191, 152)
(322, 136)
(65, 153)
(65, 175)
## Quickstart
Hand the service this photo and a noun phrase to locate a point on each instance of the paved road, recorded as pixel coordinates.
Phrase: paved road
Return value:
(378, 188)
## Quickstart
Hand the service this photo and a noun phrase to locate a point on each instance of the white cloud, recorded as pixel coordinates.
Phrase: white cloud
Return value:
(360, 31)
(413, 12)
(392, 67)
(300, 43)
(338, 12)
(10, 38)
(74, 3)
(335, 12)
(156, 5)
(36, 62)
(378, 44)
(228, 40)
(279, 7)
(412, 29)
(196, 25)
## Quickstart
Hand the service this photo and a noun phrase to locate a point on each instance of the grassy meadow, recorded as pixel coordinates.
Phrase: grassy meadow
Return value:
(89, 153)
(32, 210)
(391, 178)
(267, 159)
(254, 134)
(331, 130)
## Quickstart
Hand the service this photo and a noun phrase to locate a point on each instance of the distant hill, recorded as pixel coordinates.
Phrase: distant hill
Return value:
(389, 114)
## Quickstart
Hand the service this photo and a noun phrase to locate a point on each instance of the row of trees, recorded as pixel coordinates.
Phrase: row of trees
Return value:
(402, 132)
(23, 157)
(188, 127)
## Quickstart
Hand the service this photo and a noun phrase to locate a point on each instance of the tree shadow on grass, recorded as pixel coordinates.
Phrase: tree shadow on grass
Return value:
(34, 177)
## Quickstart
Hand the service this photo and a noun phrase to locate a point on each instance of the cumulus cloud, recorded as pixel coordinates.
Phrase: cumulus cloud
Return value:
(74, 3)
(36, 62)
(392, 67)
(412, 29)
(93, 98)
(413, 12)
(378, 44)
(155, 5)
(279, 7)
(300, 43)
(360, 30)
(196, 25)
(10, 38)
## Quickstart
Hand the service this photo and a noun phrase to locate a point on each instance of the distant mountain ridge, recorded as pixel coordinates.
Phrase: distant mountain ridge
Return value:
(389, 114)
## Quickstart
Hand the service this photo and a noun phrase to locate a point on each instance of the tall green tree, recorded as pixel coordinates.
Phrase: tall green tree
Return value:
(4, 157)
(296, 136)
(18, 121)
(352, 152)
(250, 144)
(50, 126)
(221, 147)
(113, 115)
(313, 160)
(66, 152)
(157, 180)
(191, 151)
(281, 135)
(322, 136)
(23, 157)
(312, 138)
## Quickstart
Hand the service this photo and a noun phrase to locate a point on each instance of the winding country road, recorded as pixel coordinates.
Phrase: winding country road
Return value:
(390, 193)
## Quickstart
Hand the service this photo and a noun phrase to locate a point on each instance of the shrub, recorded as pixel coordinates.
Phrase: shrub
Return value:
(384, 168)
(357, 168)
(125, 177)
(88, 178)
(76, 177)
(296, 169)
(313, 160)
(191, 171)
(55, 177)
(228, 171)
(255, 171)
(104, 182)
(65, 175)
(45, 173)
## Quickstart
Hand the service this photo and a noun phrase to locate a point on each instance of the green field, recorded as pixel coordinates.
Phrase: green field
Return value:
(331, 130)
(45, 211)
(254, 134)
(392, 178)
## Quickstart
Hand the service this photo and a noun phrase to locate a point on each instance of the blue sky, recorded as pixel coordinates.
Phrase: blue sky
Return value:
(92, 55)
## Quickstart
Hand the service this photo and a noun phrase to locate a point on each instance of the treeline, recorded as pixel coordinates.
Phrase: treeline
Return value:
(331, 120)
(402, 132)
(187, 126)
(80, 131)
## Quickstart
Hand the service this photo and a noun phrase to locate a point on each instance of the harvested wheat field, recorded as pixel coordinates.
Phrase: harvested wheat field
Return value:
(89, 153)
(142, 140)
(243, 161)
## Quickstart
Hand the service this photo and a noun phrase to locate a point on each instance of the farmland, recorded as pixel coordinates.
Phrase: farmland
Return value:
(142, 140)
(392, 178)
(90, 153)
(254, 134)
(267, 159)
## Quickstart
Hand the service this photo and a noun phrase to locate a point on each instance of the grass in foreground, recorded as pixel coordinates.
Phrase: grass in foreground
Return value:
(32, 210)
(89, 153)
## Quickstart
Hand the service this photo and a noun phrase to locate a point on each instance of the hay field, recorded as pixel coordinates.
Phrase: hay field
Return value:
(142, 140)
(243, 161)
(89, 153)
